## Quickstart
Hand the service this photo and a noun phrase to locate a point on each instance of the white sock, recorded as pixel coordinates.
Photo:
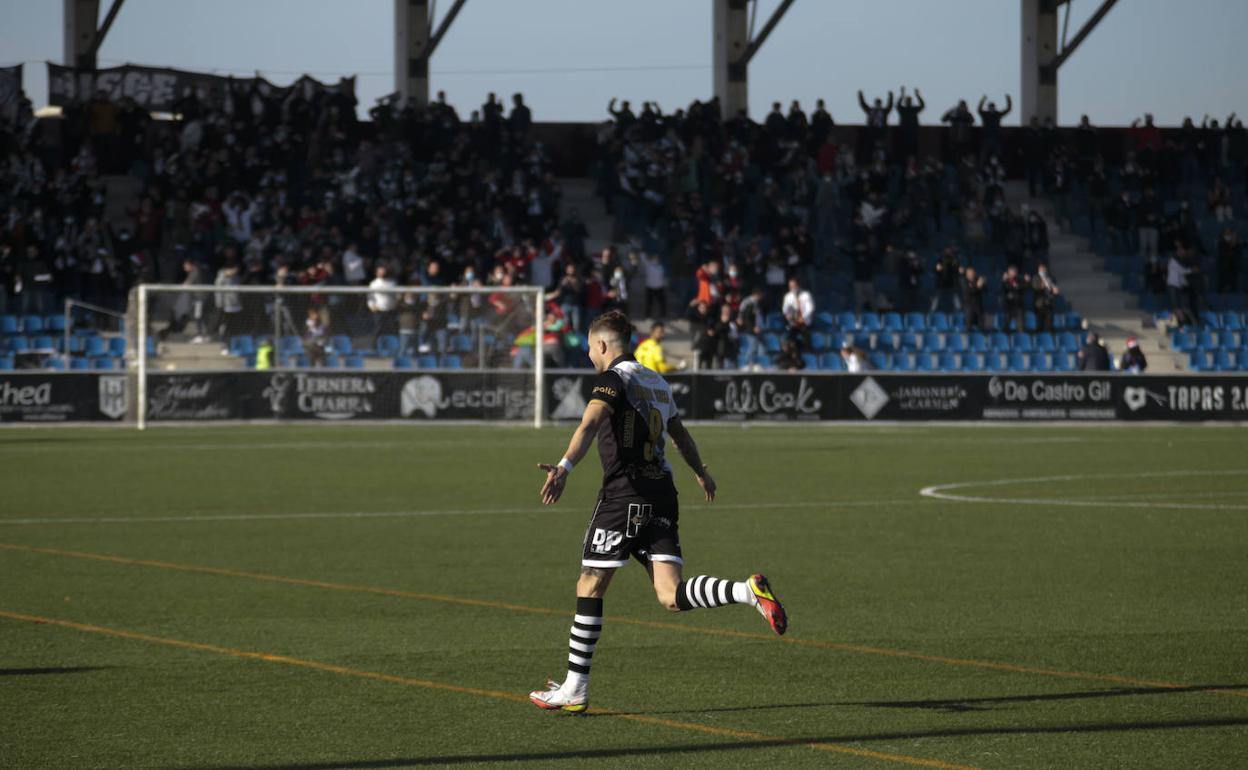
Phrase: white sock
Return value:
(741, 594)
(576, 682)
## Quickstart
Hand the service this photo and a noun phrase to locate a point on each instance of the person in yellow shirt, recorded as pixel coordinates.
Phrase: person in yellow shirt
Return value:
(650, 352)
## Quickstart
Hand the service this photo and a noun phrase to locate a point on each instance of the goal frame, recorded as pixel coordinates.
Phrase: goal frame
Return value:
(146, 290)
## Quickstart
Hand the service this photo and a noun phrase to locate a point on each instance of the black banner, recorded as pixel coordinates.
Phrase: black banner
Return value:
(340, 395)
(10, 91)
(63, 397)
(159, 88)
(783, 396)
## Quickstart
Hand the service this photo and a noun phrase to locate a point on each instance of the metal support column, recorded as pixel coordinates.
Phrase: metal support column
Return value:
(80, 17)
(1039, 47)
(730, 36)
(411, 36)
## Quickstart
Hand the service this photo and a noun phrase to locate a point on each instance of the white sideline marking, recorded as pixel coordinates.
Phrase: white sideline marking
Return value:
(412, 514)
(939, 492)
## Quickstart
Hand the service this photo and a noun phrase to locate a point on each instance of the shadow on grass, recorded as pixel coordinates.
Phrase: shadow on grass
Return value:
(955, 705)
(42, 671)
(961, 705)
(698, 748)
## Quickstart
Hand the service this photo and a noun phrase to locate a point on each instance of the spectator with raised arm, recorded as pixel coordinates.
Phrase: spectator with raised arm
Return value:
(990, 118)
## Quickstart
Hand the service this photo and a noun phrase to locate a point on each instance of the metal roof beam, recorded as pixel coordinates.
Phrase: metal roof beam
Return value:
(98, 39)
(757, 42)
(1083, 32)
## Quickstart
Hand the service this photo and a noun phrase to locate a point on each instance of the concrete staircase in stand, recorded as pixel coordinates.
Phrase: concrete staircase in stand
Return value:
(1095, 293)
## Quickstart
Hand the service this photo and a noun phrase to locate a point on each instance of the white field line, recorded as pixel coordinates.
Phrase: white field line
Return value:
(942, 491)
(415, 514)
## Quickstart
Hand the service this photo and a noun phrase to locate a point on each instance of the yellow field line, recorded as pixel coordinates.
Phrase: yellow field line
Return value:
(816, 643)
(495, 694)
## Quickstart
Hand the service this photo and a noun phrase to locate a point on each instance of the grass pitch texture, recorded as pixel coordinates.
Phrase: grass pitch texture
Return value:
(385, 597)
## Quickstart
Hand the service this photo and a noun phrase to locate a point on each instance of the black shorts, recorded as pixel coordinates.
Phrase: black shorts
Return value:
(642, 527)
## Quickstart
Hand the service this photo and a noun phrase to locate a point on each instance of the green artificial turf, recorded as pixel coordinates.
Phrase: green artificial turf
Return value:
(1099, 623)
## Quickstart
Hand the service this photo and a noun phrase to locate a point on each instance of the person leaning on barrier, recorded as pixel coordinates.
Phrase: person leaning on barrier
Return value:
(1093, 357)
(1133, 359)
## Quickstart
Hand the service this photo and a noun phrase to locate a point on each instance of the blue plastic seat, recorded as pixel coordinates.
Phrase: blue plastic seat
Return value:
(880, 361)
(6, 363)
(55, 363)
(937, 322)
(452, 361)
(54, 323)
(117, 346)
(949, 362)
(863, 340)
(426, 362)
(332, 361)
(977, 343)
(1228, 340)
(290, 345)
(43, 343)
(242, 345)
(1231, 320)
(1000, 341)
(354, 362)
(847, 321)
(19, 344)
(1019, 361)
(973, 362)
(461, 343)
(825, 320)
(341, 344)
(933, 342)
(1208, 319)
(103, 362)
(9, 325)
(1200, 360)
(1067, 342)
(996, 361)
(32, 324)
(388, 346)
(892, 322)
(832, 362)
(955, 342)
(916, 322)
(1029, 321)
(1021, 341)
(1042, 362)
(869, 322)
(908, 341)
(810, 360)
(819, 342)
(1043, 342)
(79, 364)
(885, 341)
(403, 362)
(925, 362)
(94, 347)
(1204, 339)
(903, 361)
(1064, 361)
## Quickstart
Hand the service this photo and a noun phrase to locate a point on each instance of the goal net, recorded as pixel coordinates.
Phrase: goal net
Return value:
(239, 352)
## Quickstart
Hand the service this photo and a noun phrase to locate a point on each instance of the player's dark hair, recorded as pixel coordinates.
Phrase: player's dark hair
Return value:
(613, 324)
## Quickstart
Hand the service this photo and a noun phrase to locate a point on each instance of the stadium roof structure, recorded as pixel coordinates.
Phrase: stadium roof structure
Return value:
(735, 44)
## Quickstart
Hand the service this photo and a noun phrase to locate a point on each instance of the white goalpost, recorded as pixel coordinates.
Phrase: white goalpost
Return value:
(246, 352)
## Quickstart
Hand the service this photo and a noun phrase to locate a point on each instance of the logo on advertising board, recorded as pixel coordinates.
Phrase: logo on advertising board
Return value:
(113, 397)
(330, 397)
(1050, 398)
(184, 398)
(869, 397)
(427, 396)
(768, 400)
(1137, 398)
(571, 403)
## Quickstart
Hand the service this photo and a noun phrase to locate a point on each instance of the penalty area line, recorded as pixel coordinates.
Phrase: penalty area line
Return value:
(428, 684)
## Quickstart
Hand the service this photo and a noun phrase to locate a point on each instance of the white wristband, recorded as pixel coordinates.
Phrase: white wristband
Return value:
(567, 466)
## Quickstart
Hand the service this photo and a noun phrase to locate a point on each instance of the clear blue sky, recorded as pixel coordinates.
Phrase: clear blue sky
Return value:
(570, 56)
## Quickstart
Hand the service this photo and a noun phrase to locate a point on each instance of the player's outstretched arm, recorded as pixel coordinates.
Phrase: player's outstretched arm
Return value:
(689, 450)
(557, 475)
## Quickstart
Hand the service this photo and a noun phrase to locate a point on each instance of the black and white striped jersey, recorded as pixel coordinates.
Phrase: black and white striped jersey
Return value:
(632, 444)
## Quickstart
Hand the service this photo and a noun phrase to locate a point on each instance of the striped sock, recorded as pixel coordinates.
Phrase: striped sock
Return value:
(586, 627)
(704, 591)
